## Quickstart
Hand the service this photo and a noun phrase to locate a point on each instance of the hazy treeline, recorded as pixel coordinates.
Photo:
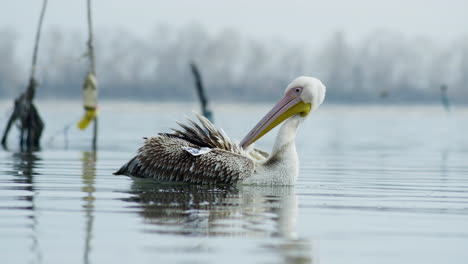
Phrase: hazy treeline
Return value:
(239, 68)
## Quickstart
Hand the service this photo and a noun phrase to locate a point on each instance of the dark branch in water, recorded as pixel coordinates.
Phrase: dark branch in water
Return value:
(29, 121)
(38, 37)
(25, 112)
(201, 93)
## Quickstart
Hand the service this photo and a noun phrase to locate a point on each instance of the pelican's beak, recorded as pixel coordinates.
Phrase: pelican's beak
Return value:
(288, 106)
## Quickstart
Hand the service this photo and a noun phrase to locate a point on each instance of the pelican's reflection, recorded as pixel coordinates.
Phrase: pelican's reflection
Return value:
(183, 207)
(248, 211)
(24, 164)
(88, 176)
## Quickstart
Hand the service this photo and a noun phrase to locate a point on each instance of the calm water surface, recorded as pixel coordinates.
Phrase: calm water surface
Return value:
(377, 185)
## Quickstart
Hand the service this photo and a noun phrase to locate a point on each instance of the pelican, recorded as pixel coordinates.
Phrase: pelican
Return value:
(206, 155)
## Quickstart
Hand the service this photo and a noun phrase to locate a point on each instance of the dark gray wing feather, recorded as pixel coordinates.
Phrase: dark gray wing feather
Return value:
(164, 159)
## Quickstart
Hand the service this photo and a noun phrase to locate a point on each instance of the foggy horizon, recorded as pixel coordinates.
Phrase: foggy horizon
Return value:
(364, 51)
(383, 67)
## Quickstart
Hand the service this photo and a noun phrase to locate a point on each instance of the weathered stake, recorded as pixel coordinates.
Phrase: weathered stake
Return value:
(92, 65)
(201, 93)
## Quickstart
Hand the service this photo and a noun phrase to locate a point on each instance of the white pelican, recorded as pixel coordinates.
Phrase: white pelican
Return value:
(206, 155)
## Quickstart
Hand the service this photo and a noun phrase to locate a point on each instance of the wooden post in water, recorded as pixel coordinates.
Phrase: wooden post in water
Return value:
(30, 123)
(90, 86)
(201, 93)
(444, 97)
(93, 68)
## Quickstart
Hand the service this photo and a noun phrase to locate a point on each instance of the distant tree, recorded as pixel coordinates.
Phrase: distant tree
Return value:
(337, 60)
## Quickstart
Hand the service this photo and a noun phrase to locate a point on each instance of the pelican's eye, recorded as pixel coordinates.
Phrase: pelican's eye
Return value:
(298, 90)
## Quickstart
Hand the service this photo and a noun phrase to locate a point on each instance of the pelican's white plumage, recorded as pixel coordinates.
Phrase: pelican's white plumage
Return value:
(170, 156)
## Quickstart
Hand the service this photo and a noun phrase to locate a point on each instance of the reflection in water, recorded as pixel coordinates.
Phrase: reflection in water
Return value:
(23, 168)
(389, 190)
(88, 176)
(207, 211)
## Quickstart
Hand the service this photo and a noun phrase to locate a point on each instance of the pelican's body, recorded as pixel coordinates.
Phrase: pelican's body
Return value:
(206, 155)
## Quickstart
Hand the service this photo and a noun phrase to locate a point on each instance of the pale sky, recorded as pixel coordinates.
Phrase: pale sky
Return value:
(297, 21)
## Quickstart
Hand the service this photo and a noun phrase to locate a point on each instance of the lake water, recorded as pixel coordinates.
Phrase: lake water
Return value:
(382, 184)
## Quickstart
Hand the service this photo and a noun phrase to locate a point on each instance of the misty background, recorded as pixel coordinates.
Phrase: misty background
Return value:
(143, 50)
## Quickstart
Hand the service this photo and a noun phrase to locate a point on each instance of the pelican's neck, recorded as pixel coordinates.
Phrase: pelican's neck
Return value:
(286, 137)
(282, 165)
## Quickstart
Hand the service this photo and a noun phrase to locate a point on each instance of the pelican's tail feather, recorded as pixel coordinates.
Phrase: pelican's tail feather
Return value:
(131, 168)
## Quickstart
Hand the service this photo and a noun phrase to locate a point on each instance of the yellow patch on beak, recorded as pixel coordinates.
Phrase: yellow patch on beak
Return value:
(304, 108)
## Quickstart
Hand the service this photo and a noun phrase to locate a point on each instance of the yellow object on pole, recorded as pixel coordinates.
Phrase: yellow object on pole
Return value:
(89, 116)
(89, 101)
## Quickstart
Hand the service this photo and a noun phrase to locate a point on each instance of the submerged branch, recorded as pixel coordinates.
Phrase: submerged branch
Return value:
(25, 112)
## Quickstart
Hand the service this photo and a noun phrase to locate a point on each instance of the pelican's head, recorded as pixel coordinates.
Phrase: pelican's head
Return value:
(309, 89)
(302, 96)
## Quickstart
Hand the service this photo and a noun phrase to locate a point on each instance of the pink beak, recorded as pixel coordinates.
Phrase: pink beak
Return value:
(288, 106)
